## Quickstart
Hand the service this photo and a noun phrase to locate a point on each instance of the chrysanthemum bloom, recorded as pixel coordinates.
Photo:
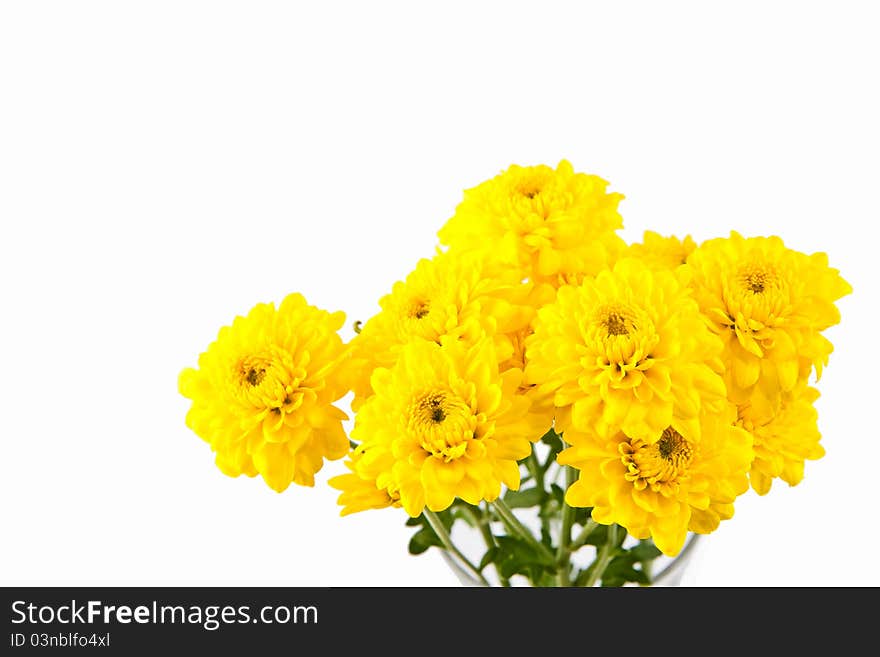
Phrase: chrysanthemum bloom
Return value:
(447, 296)
(659, 252)
(359, 491)
(538, 297)
(686, 481)
(444, 423)
(784, 437)
(769, 304)
(622, 349)
(262, 395)
(552, 225)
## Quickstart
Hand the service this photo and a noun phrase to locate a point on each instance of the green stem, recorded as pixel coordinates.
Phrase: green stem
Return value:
(581, 538)
(563, 553)
(513, 522)
(481, 521)
(604, 557)
(481, 524)
(446, 539)
(536, 469)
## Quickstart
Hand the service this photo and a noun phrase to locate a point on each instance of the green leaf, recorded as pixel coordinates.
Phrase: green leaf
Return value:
(546, 578)
(515, 556)
(488, 558)
(620, 575)
(620, 570)
(520, 499)
(422, 540)
(625, 566)
(552, 439)
(645, 551)
(598, 536)
(582, 514)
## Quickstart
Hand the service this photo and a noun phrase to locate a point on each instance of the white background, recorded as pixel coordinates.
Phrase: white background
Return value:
(166, 165)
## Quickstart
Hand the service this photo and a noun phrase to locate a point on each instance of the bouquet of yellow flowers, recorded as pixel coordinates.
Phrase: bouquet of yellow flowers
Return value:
(582, 405)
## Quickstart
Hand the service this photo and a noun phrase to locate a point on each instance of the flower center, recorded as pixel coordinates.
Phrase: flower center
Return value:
(756, 297)
(615, 320)
(673, 448)
(418, 309)
(252, 371)
(661, 466)
(532, 183)
(441, 422)
(615, 324)
(254, 376)
(267, 381)
(757, 278)
(620, 339)
(434, 407)
(417, 314)
(530, 190)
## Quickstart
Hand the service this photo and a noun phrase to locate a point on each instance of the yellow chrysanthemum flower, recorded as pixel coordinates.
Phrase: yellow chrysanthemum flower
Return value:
(686, 481)
(541, 410)
(551, 225)
(769, 304)
(445, 296)
(623, 349)
(262, 395)
(659, 252)
(784, 437)
(444, 423)
(359, 491)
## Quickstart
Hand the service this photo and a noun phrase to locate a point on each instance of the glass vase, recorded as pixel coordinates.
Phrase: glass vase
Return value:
(664, 571)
